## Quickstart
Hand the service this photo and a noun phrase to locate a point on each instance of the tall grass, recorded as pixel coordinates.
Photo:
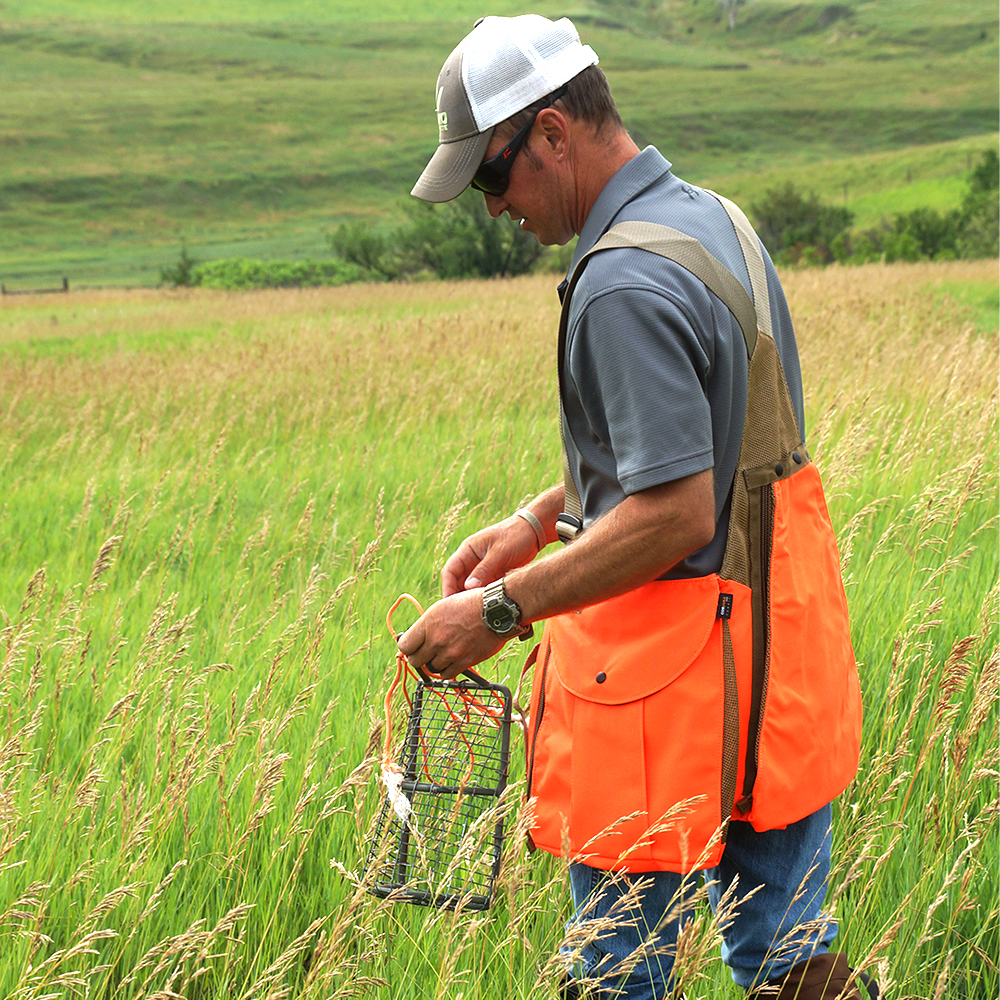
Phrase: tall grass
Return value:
(209, 503)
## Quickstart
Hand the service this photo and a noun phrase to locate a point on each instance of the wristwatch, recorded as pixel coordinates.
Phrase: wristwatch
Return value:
(501, 615)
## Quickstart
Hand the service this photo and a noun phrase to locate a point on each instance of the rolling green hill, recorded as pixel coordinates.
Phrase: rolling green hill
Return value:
(255, 127)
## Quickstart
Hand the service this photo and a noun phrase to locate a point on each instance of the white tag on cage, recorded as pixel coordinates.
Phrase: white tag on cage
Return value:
(393, 779)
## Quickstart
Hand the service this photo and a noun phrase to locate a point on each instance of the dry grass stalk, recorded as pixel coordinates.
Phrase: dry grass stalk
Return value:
(268, 985)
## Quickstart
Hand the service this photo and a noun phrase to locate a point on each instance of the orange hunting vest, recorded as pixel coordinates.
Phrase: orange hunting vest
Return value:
(658, 716)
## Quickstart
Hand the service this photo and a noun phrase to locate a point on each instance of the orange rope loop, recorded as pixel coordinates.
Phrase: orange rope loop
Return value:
(493, 713)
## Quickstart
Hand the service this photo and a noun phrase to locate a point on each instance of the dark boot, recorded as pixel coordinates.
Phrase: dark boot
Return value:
(822, 977)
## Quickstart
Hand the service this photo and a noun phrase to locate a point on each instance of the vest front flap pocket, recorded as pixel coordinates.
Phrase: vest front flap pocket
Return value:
(631, 646)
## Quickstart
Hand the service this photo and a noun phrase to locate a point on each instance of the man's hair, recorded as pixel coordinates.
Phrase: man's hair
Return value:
(587, 98)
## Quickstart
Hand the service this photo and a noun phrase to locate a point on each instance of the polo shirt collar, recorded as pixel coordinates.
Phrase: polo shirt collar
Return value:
(629, 182)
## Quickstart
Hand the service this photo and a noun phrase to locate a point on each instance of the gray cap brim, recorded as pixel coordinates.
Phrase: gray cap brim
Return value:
(452, 168)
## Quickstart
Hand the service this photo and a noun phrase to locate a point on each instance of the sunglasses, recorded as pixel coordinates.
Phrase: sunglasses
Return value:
(493, 174)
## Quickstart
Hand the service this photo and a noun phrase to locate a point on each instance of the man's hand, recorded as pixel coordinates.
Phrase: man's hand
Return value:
(494, 551)
(488, 555)
(450, 636)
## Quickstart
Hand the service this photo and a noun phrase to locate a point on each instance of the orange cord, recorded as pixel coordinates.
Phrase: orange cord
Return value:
(403, 669)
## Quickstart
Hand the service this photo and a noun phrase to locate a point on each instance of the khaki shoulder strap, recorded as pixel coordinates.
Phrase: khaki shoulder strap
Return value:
(688, 252)
(754, 260)
(692, 256)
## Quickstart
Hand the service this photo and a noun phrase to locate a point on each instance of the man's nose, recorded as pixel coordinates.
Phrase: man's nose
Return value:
(496, 205)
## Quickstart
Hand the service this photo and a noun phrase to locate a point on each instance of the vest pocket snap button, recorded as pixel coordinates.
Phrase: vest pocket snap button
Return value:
(601, 677)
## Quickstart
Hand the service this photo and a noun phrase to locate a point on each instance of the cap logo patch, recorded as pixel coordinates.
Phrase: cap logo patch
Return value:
(442, 115)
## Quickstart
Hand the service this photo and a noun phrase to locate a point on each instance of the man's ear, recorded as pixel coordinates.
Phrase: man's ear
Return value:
(555, 129)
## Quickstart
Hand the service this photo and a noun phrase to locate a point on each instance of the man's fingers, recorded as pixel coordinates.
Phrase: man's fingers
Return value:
(488, 555)
(467, 570)
(439, 668)
(411, 644)
(451, 582)
(456, 570)
(411, 640)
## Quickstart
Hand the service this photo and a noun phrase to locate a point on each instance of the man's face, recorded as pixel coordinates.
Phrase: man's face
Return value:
(534, 195)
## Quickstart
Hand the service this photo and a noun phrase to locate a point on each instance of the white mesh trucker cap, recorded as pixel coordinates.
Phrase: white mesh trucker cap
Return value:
(499, 68)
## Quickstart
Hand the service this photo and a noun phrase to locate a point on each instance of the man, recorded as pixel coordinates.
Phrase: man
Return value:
(654, 376)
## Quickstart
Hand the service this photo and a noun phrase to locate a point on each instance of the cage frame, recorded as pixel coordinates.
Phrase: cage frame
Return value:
(399, 835)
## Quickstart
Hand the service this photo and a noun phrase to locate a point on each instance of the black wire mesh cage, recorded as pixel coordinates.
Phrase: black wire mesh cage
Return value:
(439, 836)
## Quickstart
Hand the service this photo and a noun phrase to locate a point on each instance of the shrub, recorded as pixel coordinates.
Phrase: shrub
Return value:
(788, 222)
(980, 212)
(985, 177)
(179, 273)
(799, 229)
(923, 234)
(981, 228)
(359, 244)
(926, 234)
(461, 240)
(458, 239)
(239, 273)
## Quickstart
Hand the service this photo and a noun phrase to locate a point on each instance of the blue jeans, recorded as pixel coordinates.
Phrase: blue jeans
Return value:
(773, 929)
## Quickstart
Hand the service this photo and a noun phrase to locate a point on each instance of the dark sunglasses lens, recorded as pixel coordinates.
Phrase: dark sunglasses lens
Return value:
(489, 180)
(493, 174)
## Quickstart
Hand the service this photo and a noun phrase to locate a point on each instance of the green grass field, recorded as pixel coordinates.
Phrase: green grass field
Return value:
(256, 128)
(210, 501)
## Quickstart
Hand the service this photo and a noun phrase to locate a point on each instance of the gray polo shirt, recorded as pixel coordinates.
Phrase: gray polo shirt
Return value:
(656, 369)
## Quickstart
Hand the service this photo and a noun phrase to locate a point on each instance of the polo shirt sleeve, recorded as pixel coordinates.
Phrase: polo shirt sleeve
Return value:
(639, 358)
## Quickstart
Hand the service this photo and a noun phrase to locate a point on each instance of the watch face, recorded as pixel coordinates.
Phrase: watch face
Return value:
(501, 618)
(500, 613)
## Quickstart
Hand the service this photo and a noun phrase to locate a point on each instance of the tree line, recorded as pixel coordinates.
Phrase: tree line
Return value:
(460, 240)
